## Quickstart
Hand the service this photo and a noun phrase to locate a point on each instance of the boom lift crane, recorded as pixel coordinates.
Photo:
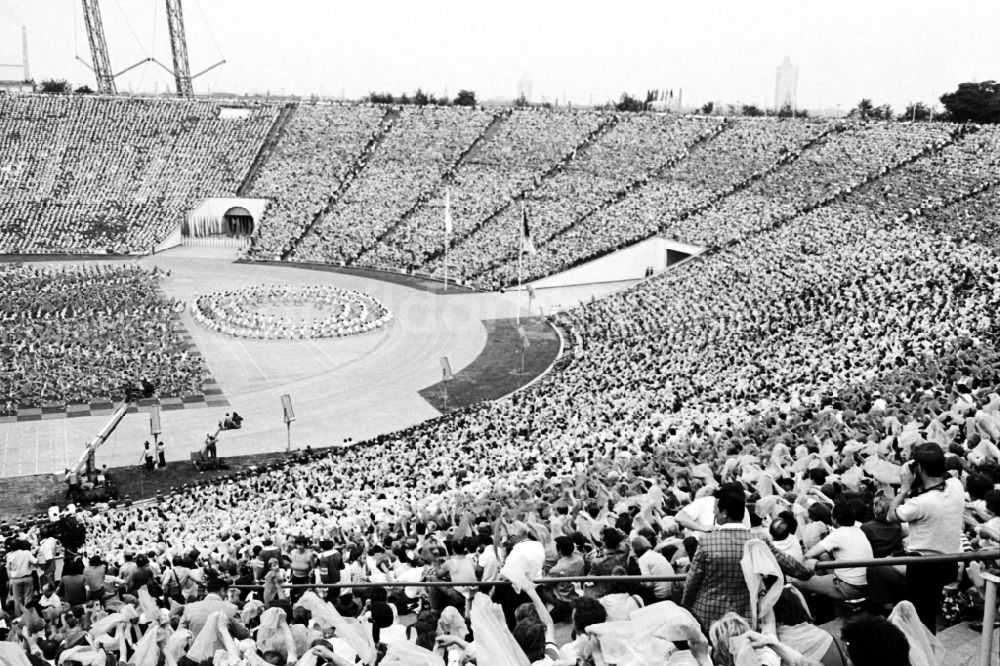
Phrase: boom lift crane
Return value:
(85, 481)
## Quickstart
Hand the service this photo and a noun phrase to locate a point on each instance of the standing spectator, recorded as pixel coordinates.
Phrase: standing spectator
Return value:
(715, 584)
(140, 575)
(20, 565)
(147, 456)
(73, 585)
(303, 560)
(273, 580)
(49, 553)
(161, 453)
(489, 558)
(95, 574)
(330, 563)
(931, 504)
(198, 612)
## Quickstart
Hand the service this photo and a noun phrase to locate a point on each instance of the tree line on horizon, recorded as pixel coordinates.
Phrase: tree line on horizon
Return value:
(975, 102)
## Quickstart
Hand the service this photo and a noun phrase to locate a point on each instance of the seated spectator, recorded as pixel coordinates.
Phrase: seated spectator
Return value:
(845, 542)
(874, 641)
(796, 630)
(886, 538)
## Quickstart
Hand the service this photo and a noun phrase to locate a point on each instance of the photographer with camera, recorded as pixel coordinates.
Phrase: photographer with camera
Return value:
(931, 503)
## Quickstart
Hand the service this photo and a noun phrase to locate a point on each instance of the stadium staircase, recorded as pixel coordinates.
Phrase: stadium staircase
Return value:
(374, 141)
(556, 167)
(267, 148)
(447, 177)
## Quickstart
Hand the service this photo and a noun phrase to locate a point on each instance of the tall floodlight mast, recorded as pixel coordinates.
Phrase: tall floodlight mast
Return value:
(178, 45)
(98, 47)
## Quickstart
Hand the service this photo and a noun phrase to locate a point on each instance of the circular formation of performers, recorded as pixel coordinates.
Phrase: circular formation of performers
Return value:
(259, 312)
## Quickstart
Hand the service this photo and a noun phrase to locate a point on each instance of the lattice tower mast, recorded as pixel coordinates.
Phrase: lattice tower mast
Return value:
(98, 47)
(178, 45)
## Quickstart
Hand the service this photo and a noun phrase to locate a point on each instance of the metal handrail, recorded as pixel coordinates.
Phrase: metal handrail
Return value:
(981, 555)
(989, 612)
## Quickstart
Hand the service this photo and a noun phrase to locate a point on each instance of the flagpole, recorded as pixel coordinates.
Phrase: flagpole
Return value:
(447, 201)
(520, 251)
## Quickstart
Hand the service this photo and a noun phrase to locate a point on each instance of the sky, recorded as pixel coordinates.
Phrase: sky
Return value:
(726, 50)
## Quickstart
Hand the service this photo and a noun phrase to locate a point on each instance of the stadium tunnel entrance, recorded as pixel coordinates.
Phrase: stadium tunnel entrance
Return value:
(228, 222)
(239, 221)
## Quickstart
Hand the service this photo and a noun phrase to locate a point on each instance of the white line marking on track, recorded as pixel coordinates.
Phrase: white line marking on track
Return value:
(333, 363)
(253, 362)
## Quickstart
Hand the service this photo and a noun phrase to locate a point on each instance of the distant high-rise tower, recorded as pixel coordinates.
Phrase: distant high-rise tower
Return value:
(524, 88)
(786, 86)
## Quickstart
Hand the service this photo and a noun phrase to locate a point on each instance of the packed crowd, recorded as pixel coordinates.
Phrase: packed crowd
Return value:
(808, 362)
(259, 312)
(629, 150)
(834, 166)
(92, 174)
(747, 149)
(79, 335)
(976, 219)
(527, 144)
(422, 146)
(321, 147)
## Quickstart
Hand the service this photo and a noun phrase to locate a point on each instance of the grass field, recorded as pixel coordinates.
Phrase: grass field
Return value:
(497, 371)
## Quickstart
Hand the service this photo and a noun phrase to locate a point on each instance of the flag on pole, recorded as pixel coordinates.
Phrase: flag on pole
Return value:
(531, 292)
(525, 343)
(526, 243)
(447, 211)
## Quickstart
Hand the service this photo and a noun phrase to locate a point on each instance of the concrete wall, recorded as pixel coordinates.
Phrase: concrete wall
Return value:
(173, 239)
(629, 263)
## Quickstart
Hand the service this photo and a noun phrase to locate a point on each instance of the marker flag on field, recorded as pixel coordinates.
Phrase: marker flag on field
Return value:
(447, 212)
(526, 243)
(525, 343)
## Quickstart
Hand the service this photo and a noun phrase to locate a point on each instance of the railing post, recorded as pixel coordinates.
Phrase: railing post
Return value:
(989, 617)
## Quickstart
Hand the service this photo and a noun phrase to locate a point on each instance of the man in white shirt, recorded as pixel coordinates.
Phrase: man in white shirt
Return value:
(20, 563)
(845, 542)
(931, 503)
(652, 563)
(48, 556)
(488, 560)
(698, 517)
